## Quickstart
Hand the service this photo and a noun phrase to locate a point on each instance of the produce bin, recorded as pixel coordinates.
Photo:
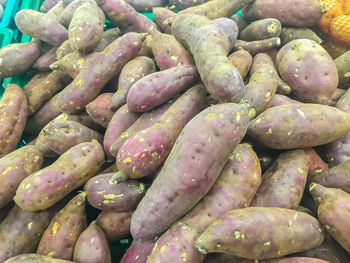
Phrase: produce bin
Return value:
(9, 12)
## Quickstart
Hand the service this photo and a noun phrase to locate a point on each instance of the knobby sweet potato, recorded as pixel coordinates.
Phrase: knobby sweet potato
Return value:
(258, 46)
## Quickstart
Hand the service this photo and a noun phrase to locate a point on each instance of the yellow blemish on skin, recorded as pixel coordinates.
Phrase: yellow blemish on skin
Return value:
(127, 160)
(174, 57)
(59, 188)
(347, 74)
(238, 235)
(7, 169)
(136, 43)
(269, 131)
(71, 102)
(141, 139)
(184, 257)
(301, 170)
(210, 116)
(137, 257)
(317, 171)
(312, 186)
(272, 28)
(221, 115)
(209, 139)
(55, 227)
(245, 167)
(143, 155)
(238, 116)
(27, 186)
(154, 154)
(137, 154)
(29, 226)
(267, 243)
(232, 157)
(77, 107)
(78, 83)
(258, 120)
(106, 201)
(268, 94)
(51, 254)
(162, 249)
(112, 196)
(101, 192)
(255, 175)
(289, 133)
(301, 113)
(133, 169)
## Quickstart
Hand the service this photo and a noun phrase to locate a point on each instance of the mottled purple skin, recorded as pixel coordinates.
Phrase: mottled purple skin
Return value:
(106, 192)
(57, 10)
(13, 117)
(63, 50)
(60, 237)
(14, 167)
(146, 5)
(134, 70)
(145, 121)
(108, 37)
(40, 93)
(160, 14)
(278, 100)
(92, 246)
(191, 168)
(157, 88)
(44, 61)
(41, 26)
(284, 182)
(116, 225)
(48, 186)
(98, 109)
(143, 153)
(261, 29)
(240, 21)
(21, 231)
(261, 233)
(86, 28)
(82, 118)
(333, 212)
(120, 122)
(229, 29)
(242, 60)
(35, 258)
(235, 188)
(342, 63)
(295, 61)
(337, 95)
(258, 46)
(71, 64)
(210, 47)
(298, 13)
(316, 164)
(183, 4)
(295, 260)
(282, 87)
(17, 58)
(138, 252)
(47, 5)
(146, 49)
(35, 80)
(168, 52)
(97, 71)
(124, 16)
(67, 14)
(299, 125)
(291, 33)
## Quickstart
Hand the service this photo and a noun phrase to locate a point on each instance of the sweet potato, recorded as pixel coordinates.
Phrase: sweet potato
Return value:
(337, 95)
(42, 145)
(44, 61)
(278, 100)
(232, 190)
(191, 171)
(295, 61)
(252, 235)
(82, 118)
(343, 68)
(229, 29)
(261, 29)
(291, 33)
(41, 26)
(282, 87)
(17, 58)
(47, 5)
(138, 252)
(316, 164)
(35, 80)
(156, 88)
(119, 123)
(98, 109)
(298, 13)
(13, 117)
(333, 212)
(265, 159)
(57, 10)
(108, 37)
(209, 47)
(116, 225)
(35, 258)
(183, 4)
(131, 72)
(226, 258)
(295, 260)
(240, 21)
(86, 28)
(284, 182)
(46, 187)
(92, 246)
(242, 60)
(160, 14)
(258, 46)
(146, 48)
(146, 5)
(299, 125)
(143, 153)
(71, 64)
(63, 50)
(67, 14)
(97, 71)
(66, 225)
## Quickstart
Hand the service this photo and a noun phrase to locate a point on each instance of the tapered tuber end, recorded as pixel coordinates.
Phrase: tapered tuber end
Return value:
(201, 250)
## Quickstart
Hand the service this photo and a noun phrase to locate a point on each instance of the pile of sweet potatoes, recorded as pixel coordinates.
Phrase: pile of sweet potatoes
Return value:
(204, 136)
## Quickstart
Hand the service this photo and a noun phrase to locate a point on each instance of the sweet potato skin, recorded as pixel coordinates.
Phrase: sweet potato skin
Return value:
(47, 5)
(229, 29)
(291, 33)
(108, 37)
(295, 260)
(44, 61)
(242, 60)
(71, 64)
(342, 64)
(138, 252)
(190, 182)
(67, 14)
(146, 5)
(253, 238)
(261, 29)
(279, 99)
(316, 164)
(258, 46)
(98, 109)
(161, 14)
(35, 258)
(183, 4)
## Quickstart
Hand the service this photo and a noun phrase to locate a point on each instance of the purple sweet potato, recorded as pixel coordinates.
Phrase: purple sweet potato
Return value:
(111, 192)
(183, 4)
(47, 5)
(131, 72)
(226, 258)
(116, 225)
(138, 252)
(342, 63)
(35, 80)
(146, 48)
(71, 64)
(146, 5)
(143, 153)
(124, 16)
(278, 100)
(92, 246)
(209, 47)
(99, 111)
(44, 61)
(232, 190)
(119, 123)
(229, 29)
(295, 260)
(261, 233)
(295, 62)
(316, 164)
(261, 29)
(168, 52)
(63, 50)
(57, 10)
(82, 118)
(191, 171)
(42, 145)
(46, 187)
(13, 117)
(17, 58)
(299, 125)
(284, 181)
(240, 21)
(242, 60)
(41, 26)
(68, 12)
(160, 14)
(60, 237)
(337, 95)
(291, 33)
(258, 46)
(333, 212)
(108, 37)
(97, 71)
(86, 28)
(157, 88)
(35, 258)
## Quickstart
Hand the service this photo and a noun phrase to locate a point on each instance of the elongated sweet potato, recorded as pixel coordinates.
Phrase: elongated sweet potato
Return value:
(295, 260)
(63, 50)
(343, 68)
(71, 64)
(47, 5)
(252, 236)
(46, 187)
(229, 29)
(68, 12)
(191, 171)
(316, 164)
(278, 100)
(298, 13)
(97, 71)
(160, 14)
(146, 5)
(99, 111)
(138, 252)
(92, 246)
(116, 225)
(333, 212)
(42, 145)
(41, 26)
(232, 190)
(66, 225)
(13, 117)
(131, 72)
(299, 125)
(142, 154)
(35, 80)
(209, 47)
(44, 61)
(183, 4)
(240, 21)
(57, 10)
(17, 58)
(108, 37)
(258, 46)
(35, 258)
(261, 29)
(242, 60)
(291, 33)
(146, 49)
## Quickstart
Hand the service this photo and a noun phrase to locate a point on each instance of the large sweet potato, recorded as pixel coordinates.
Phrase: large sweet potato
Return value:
(138, 252)
(68, 12)
(108, 37)
(291, 33)
(160, 14)
(45, 60)
(35, 258)
(261, 29)
(98, 109)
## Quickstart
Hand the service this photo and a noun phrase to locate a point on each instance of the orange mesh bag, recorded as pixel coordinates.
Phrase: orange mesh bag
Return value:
(346, 7)
(340, 28)
(332, 9)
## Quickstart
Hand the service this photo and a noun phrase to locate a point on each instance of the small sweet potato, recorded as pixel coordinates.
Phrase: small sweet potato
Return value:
(146, 5)
(71, 64)
(261, 29)
(183, 4)
(47, 5)
(138, 252)
(35, 258)
(258, 46)
(44, 61)
(68, 12)
(108, 37)
(316, 164)
(99, 111)
(242, 60)
(291, 33)
(343, 68)
(146, 48)
(240, 21)
(57, 10)
(63, 50)
(160, 14)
